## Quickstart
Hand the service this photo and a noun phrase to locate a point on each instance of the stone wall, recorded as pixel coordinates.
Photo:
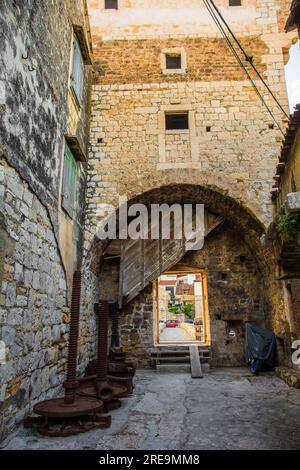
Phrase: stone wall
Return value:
(136, 328)
(227, 156)
(230, 146)
(142, 18)
(40, 245)
(34, 91)
(139, 61)
(290, 179)
(236, 293)
(33, 304)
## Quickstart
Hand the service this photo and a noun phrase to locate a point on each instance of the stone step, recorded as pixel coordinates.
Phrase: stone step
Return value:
(177, 352)
(173, 368)
(179, 368)
(164, 359)
(203, 357)
(177, 358)
(182, 359)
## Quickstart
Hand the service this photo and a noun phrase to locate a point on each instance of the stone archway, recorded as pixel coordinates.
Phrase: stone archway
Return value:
(214, 199)
(239, 270)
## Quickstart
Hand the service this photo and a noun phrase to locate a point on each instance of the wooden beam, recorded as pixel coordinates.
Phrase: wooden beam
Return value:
(216, 224)
(196, 370)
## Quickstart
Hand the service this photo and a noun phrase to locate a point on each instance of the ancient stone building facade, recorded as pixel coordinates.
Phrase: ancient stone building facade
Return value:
(43, 134)
(286, 226)
(155, 59)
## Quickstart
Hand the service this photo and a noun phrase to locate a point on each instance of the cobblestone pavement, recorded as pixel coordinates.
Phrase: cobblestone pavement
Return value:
(174, 334)
(227, 409)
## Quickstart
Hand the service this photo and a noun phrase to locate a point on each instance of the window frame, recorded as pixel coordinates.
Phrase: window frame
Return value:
(176, 130)
(111, 8)
(77, 52)
(175, 51)
(69, 174)
(170, 56)
(230, 4)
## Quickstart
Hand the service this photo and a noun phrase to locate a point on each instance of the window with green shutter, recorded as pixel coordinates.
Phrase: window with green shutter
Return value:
(77, 72)
(69, 182)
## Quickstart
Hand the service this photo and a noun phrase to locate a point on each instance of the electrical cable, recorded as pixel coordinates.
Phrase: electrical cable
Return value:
(249, 59)
(230, 45)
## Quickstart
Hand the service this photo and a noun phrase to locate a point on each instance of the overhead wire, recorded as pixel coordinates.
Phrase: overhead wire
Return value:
(234, 52)
(248, 58)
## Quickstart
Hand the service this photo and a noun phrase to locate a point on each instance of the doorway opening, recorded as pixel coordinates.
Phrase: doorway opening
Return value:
(182, 309)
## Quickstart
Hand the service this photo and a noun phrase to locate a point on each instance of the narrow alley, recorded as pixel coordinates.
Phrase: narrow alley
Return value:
(227, 409)
(149, 226)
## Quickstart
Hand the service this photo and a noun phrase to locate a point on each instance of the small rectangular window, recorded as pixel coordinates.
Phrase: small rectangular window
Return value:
(235, 3)
(176, 121)
(77, 72)
(111, 4)
(69, 182)
(173, 61)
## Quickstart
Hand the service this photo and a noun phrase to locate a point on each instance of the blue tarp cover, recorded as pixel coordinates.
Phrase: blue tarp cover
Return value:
(260, 344)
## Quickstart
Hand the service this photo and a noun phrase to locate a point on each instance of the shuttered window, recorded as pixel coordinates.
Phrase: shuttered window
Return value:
(77, 72)
(69, 182)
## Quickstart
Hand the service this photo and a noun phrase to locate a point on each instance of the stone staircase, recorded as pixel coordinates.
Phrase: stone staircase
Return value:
(177, 358)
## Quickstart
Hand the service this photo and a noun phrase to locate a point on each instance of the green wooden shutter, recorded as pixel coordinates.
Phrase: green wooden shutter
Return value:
(69, 182)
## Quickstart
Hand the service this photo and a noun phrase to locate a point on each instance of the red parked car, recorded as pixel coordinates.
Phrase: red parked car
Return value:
(172, 323)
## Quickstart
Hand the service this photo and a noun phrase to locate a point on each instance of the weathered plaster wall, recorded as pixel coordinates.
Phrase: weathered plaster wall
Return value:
(146, 17)
(39, 244)
(35, 114)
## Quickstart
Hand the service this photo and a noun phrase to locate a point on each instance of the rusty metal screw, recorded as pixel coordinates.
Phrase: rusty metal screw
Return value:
(104, 390)
(115, 340)
(102, 340)
(71, 383)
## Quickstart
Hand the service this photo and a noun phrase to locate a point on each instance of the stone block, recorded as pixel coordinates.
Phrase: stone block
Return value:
(11, 295)
(290, 376)
(21, 301)
(18, 273)
(292, 203)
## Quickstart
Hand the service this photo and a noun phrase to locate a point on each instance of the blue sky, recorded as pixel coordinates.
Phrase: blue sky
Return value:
(292, 74)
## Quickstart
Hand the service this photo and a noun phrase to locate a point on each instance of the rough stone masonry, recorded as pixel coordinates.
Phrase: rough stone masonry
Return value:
(227, 153)
(40, 244)
(225, 159)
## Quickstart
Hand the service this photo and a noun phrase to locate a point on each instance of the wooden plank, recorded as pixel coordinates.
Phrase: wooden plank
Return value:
(216, 224)
(143, 261)
(196, 370)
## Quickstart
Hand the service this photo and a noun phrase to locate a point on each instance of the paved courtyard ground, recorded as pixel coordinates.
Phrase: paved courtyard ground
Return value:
(174, 334)
(227, 409)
